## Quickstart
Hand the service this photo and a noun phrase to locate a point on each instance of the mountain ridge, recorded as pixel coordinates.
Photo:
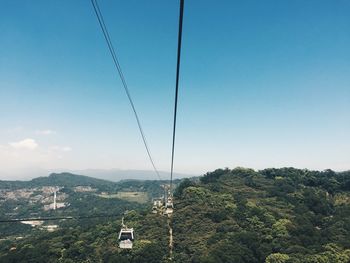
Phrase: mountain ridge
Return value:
(64, 179)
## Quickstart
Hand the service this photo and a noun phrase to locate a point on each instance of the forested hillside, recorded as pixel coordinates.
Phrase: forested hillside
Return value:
(240, 215)
(274, 215)
(93, 241)
(102, 202)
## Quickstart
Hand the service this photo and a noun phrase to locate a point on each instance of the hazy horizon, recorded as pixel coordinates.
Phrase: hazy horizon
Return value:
(114, 174)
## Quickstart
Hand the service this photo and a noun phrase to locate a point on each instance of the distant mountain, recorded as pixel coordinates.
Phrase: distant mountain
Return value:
(91, 177)
(69, 180)
(116, 175)
(59, 179)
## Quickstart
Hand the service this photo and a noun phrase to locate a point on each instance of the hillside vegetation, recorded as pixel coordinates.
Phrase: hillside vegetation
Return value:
(82, 196)
(92, 241)
(274, 215)
(81, 240)
(241, 215)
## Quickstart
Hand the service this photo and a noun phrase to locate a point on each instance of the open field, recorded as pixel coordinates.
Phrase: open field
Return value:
(139, 197)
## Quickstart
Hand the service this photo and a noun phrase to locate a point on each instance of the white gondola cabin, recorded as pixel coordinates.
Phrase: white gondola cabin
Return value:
(158, 204)
(169, 206)
(126, 237)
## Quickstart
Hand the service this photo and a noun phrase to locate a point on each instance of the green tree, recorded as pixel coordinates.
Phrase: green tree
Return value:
(277, 258)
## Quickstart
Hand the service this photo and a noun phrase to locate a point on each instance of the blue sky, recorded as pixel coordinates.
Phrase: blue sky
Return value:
(263, 84)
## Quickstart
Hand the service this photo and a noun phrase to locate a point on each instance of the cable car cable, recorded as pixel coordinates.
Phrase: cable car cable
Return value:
(121, 75)
(176, 90)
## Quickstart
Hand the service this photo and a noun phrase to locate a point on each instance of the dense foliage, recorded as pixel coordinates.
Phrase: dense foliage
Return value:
(274, 215)
(87, 242)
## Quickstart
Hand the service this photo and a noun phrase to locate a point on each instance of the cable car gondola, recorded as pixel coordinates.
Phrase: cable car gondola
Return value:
(126, 237)
(169, 206)
(158, 204)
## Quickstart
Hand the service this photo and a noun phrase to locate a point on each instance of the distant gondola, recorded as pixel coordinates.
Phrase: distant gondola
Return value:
(169, 206)
(158, 204)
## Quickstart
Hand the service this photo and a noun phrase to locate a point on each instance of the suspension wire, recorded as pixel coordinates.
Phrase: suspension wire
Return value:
(176, 90)
(14, 220)
(121, 75)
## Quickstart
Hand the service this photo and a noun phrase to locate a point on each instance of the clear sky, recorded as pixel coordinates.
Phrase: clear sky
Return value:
(263, 84)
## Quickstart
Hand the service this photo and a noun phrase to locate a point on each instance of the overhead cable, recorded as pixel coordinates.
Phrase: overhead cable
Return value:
(176, 90)
(121, 75)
